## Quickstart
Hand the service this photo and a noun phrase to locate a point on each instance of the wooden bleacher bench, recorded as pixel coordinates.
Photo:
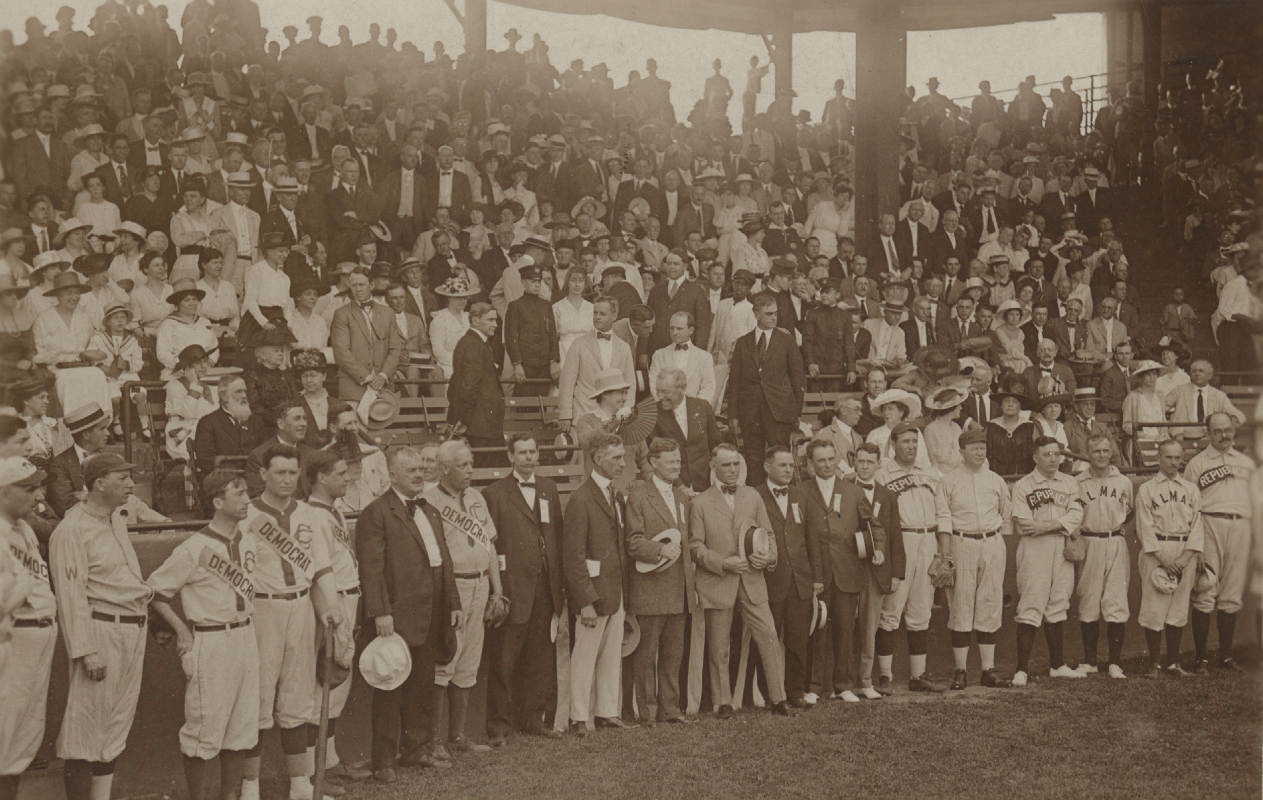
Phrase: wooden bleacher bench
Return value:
(568, 477)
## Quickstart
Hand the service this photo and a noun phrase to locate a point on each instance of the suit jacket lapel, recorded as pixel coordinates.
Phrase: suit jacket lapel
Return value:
(519, 500)
(402, 513)
(602, 499)
(660, 505)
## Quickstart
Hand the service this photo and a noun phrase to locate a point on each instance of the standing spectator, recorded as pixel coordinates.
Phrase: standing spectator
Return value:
(474, 394)
(367, 345)
(530, 337)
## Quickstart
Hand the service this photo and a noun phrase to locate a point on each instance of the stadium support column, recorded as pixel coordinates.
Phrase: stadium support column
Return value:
(783, 60)
(476, 27)
(881, 66)
(1151, 49)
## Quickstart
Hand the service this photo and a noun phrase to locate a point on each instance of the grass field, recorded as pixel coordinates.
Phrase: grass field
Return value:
(1195, 737)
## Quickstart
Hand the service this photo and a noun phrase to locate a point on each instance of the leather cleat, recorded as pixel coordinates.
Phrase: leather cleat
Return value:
(1154, 671)
(332, 789)
(883, 686)
(614, 722)
(422, 759)
(578, 728)
(1230, 664)
(724, 712)
(498, 741)
(463, 745)
(991, 681)
(680, 720)
(782, 709)
(440, 752)
(960, 679)
(1201, 667)
(358, 771)
(1176, 671)
(924, 684)
(801, 704)
(385, 775)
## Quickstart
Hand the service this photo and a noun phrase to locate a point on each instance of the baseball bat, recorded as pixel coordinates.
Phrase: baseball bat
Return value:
(322, 741)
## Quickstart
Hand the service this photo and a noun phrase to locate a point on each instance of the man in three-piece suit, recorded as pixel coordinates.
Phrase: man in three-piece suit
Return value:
(367, 345)
(473, 392)
(522, 678)
(912, 240)
(682, 354)
(595, 566)
(949, 239)
(696, 215)
(1046, 365)
(765, 386)
(587, 357)
(448, 187)
(408, 588)
(284, 217)
(351, 208)
(403, 195)
(1069, 332)
(792, 588)
(40, 159)
(116, 173)
(677, 293)
(639, 185)
(530, 337)
(719, 518)
(586, 177)
(661, 599)
(840, 509)
(421, 302)
(691, 423)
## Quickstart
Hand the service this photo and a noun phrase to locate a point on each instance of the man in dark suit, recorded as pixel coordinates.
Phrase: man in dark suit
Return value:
(530, 337)
(779, 239)
(1046, 365)
(448, 260)
(403, 197)
(661, 599)
(985, 218)
(962, 327)
(791, 588)
(116, 175)
(766, 383)
(697, 435)
(1045, 291)
(980, 406)
(228, 431)
(522, 678)
(497, 258)
(779, 283)
(595, 564)
(291, 430)
(696, 215)
(284, 217)
(919, 329)
(949, 239)
(639, 186)
(299, 139)
(1057, 201)
(474, 395)
(89, 426)
(840, 509)
(550, 179)
(40, 159)
(912, 239)
(828, 341)
(408, 588)
(1068, 331)
(448, 187)
(675, 294)
(1093, 204)
(151, 149)
(586, 176)
(1116, 380)
(350, 208)
(1036, 328)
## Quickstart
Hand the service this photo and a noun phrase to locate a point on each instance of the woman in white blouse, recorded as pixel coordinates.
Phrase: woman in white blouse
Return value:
(149, 297)
(219, 305)
(518, 191)
(91, 156)
(184, 327)
(1171, 376)
(448, 325)
(125, 268)
(188, 399)
(572, 313)
(48, 434)
(61, 335)
(309, 328)
(192, 224)
(95, 210)
(1145, 404)
(830, 218)
(267, 303)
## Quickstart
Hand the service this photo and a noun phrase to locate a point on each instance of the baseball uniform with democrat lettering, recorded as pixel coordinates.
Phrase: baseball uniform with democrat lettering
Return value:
(346, 578)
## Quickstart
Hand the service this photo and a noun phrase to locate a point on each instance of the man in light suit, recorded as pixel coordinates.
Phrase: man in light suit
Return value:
(765, 386)
(1197, 400)
(718, 518)
(367, 344)
(415, 333)
(690, 422)
(243, 223)
(1106, 331)
(588, 356)
(682, 354)
(677, 293)
(662, 599)
(595, 565)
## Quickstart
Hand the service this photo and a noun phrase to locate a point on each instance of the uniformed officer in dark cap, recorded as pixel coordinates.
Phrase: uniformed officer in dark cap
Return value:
(530, 337)
(828, 346)
(614, 283)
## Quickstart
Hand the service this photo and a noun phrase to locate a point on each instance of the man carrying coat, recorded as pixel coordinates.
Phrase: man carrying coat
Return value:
(473, 394)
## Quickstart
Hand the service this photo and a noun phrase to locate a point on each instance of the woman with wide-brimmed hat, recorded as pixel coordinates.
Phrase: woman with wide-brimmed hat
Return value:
(1145, 403)
(1009, 334)
(129, 241)
(895, 406)
(449, 325)
(943, 403)
(72, 239)
(62, 334)
(183, 327)
(90, 155)
(188, 398)
(193, 226)
(610, 393)
(45, 268)
(15, 318)
(1170, 353)
(1010, 436)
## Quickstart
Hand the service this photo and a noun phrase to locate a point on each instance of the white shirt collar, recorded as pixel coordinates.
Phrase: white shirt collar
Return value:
(601, 481)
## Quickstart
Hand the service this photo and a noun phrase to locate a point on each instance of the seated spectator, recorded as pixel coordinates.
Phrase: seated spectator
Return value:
(47, 435)
(62, 335)
(309, 328)
(228, 432)
(188, 399)
(184, 327)
(290, 428)
(268, 383)
(149, 297)
(219, 305)
(312, 369)
(123, 357)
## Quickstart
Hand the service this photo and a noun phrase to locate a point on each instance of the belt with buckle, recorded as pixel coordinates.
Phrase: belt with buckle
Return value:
(1180, 538)
(230, 626)
(919, 530)
(471, 575)
(354, 591)
(285, 596)
(120, 619)
(987, 535)
(44, 622)
(1105, 535)
(1220, 515)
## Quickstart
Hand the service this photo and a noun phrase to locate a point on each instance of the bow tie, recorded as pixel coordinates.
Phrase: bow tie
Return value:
(868, 487)
(681, 347)
(604, 336)
(783, 492)
(416, 505)
(526, 484)
(368, 305)
(448, 172)
(153, 147)
(727, 488)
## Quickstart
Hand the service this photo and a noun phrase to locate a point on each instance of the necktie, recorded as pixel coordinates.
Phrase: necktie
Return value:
(671, 289)
(122, 181)
(990, 227)
(1201, 405)
(43, 240)
(892, 255)
(603, 336)
(782, 492)
(929, 332)
(762, 346)
(728, 488)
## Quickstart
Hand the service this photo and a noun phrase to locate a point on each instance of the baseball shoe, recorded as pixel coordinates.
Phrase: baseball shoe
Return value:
(498, 741)
(1087, 669)
(990, 680)
(960, 680)
(614, 722)
(1176, 671)
(1201, 667)
(1154, 671)
(801, 704)
(1117, 672)
(924, 684)
(1019, 678)
(883, 686)
(463, 745)
(1230, 664)
(782, 709)
(811, 698)
(423, 759)
(578, 728)
(848, 696)
(358, 771)
(1064, 671)
(724, 712)
(869, 693)
(385, 775)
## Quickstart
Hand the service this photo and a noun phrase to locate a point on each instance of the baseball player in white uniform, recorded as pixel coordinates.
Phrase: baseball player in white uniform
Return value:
(28, 625)
(1108, 502)
(328, 475)
(1172, 538)
(1047, 510)
(292, 576)
(975, 509)
(212, 572)
(912, 599)
(102, 605)
(1222, 476)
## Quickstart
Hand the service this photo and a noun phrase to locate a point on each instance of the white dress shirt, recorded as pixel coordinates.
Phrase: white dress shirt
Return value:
(668, 496)
(406, 178)
(445, 189)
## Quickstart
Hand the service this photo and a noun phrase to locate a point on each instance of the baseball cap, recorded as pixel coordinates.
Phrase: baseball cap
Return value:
(973, 436)
(18, 471)
(101, 465)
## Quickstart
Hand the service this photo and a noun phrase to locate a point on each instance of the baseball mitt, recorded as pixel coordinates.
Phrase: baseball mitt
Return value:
(942, 571)
(497, 611)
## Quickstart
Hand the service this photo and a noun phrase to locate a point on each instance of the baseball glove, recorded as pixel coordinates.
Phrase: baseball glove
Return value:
(942, 571)
(497, 611)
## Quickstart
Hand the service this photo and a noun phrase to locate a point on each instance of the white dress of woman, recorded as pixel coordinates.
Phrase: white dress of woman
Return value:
(56, 342)
(446, 329)
(571, 322)
(826, 224)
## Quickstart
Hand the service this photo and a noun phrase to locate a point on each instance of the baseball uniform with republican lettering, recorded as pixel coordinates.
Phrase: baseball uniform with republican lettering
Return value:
(919, 507)
(1224, 482)
(1045, 579)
